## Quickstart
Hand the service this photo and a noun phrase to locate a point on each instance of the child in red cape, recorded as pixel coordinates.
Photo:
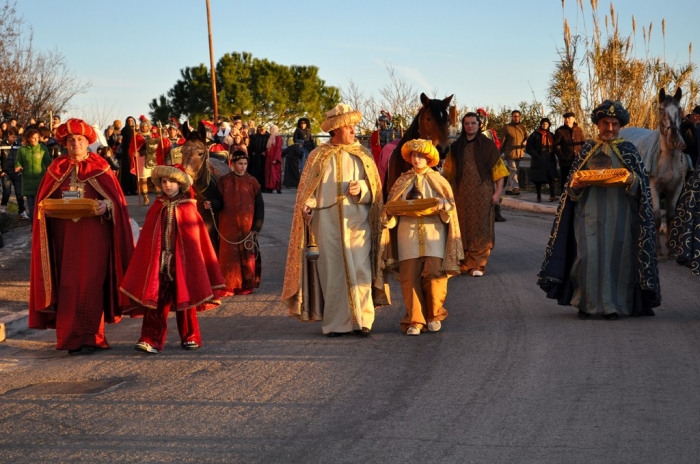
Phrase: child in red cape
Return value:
(158, 280)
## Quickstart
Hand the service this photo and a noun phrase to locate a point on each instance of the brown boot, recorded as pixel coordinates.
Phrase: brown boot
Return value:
(144, 190)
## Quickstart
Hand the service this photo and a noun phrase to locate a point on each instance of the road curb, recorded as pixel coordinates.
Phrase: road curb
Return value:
(522, 205)
(13, 324)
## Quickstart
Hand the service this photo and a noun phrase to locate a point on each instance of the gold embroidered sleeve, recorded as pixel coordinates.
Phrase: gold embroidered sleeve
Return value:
(499, 170)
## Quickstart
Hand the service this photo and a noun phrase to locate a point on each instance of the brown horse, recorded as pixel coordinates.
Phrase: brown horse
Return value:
(205, 172)
(431, 123)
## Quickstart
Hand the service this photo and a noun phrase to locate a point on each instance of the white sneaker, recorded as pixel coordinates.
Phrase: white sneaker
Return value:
(3, 209)
(478, 273)
(413, 330)
(24, 215)
(143, 346)
(434, 326)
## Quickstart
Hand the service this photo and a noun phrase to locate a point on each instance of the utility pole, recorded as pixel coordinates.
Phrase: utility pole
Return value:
(213, 69)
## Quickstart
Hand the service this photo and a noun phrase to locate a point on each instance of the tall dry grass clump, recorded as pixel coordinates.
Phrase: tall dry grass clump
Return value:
(606, 64)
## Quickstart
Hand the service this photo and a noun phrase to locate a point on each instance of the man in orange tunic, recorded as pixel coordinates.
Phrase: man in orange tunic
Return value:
(78, 264)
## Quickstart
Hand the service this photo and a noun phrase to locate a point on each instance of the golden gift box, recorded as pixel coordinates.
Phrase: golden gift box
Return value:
(68, 208)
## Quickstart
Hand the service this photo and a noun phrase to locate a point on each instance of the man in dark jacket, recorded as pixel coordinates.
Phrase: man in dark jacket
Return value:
(689, 128)
(10, 178)
(568, 140)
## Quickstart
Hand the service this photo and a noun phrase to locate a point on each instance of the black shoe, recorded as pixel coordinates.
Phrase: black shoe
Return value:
(611, 317)
(334, 334)
(365, 332)
(509, 192)
(583, 315)
(498, 217)
(516, 191)
(85, 349)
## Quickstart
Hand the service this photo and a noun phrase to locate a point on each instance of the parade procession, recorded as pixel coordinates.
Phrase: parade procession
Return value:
(427, 267)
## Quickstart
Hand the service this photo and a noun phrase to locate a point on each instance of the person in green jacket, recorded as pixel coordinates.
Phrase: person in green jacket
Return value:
(32, 160)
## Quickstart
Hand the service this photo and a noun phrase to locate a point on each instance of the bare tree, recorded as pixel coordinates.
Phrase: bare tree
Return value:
(400, 99)
(100, 114)
(354, 97)
(32, 83)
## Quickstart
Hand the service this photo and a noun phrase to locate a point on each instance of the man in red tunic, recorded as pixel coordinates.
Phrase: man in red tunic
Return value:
(239, 223)
(77, 264)
(174, 266)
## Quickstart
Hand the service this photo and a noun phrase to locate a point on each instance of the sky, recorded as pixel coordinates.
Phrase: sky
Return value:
(489, 53)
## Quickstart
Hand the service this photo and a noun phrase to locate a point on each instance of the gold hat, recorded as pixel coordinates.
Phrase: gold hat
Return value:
(340, 116)
(173, 173)
(424, 147)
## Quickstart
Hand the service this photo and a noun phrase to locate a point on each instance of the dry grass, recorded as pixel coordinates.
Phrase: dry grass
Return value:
(605, 64)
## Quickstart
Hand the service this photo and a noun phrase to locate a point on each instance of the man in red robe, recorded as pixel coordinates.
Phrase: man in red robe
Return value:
(77, 264)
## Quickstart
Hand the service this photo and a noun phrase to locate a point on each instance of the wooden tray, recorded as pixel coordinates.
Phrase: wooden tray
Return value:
(413, 208)
(602, 177)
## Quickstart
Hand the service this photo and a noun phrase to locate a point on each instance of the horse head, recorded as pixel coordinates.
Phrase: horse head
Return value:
(670, 119)
(433, 120)
(194, 158)
(431, 123)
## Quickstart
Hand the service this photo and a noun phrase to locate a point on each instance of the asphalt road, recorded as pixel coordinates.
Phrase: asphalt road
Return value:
(511, 378)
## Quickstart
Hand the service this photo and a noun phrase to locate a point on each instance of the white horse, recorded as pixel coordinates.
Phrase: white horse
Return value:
(663, 158)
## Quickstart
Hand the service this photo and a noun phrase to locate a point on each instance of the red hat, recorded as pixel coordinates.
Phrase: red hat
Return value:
(75, 126)
(209, 125)
(136, 144)
(482, 111)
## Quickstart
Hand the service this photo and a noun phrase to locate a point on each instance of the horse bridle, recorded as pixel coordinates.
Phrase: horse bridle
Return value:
(204, 165)
(664, 129)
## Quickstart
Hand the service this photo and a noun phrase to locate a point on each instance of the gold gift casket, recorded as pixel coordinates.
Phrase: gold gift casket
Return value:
(413, 208)
(601, 177)
(68, 208)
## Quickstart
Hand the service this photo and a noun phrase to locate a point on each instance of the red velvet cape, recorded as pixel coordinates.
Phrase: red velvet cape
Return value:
(43, 271)
(198, 280)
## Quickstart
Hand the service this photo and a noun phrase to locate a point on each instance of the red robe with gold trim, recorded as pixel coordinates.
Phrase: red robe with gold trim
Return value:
(77, 266)
(198, 280)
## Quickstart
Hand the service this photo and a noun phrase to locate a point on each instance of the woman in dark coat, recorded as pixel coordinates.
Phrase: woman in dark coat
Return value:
(543, 165)
(303, 132)
(127, 180)
(292, 156)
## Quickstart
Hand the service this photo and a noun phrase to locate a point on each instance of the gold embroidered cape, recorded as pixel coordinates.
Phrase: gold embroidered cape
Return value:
(293, 288)
(454, 253)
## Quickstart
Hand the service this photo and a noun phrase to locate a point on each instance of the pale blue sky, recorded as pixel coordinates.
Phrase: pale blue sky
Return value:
(494, 53)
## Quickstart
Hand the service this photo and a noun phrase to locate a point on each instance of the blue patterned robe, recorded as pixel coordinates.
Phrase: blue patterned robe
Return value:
(601, 254)
(685, 232)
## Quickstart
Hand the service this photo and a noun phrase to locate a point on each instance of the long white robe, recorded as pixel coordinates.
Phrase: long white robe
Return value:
(344, 238)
